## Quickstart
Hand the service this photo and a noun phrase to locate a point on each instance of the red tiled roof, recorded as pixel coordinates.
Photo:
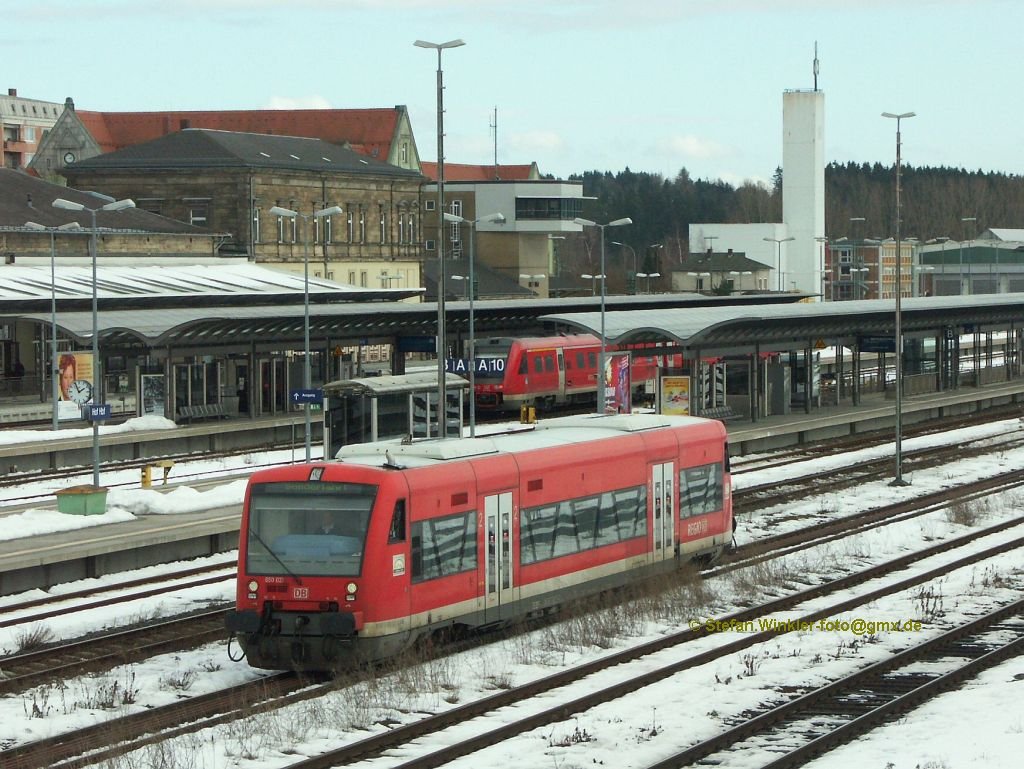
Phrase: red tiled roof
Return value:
(463, 172)
(369, 131)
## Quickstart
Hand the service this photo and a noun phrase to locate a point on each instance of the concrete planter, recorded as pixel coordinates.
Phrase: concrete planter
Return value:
(82, 500)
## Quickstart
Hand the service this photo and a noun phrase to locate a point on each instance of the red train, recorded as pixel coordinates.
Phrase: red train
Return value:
(354, 560)
(546, 372)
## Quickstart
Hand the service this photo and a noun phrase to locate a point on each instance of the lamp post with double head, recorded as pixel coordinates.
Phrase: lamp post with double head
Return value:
(648, 276)
(471, 291)
(601, 395)
(111, 205)
(898, 479)
(593, 281)
(442, 426)
(778, 254)
(54, 355)
(306, 373)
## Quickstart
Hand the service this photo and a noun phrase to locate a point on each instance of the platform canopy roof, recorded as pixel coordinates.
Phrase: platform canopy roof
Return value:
(798, 325)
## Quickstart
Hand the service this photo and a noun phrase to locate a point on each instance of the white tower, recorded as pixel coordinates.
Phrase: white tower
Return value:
(803, 187)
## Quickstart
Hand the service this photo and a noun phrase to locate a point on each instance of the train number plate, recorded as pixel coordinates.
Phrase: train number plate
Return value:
(300, 592)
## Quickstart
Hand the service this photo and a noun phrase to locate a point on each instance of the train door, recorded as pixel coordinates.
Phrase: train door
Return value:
(498, 576)
(663, 510)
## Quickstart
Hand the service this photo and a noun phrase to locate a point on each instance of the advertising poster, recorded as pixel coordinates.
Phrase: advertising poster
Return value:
(675, 395)
(76, 383)
(152, 389)
(617, 384)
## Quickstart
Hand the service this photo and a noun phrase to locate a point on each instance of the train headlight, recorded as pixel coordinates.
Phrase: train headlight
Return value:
(253, 585)
(351, 588)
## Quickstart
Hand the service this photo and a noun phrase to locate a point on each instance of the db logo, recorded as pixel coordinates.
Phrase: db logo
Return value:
(300, 592)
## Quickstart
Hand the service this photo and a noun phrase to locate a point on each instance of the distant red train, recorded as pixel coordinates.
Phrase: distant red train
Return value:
(547, 372)
(354, 560)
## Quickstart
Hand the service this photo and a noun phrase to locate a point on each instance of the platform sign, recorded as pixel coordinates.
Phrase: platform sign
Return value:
(483, 366)
(876, 343)
(306, 395)
(97, 412)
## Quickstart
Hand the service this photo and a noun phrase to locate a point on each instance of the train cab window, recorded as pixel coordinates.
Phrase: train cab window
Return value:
(581, 360)
(538, 365)
(549, 363)
(397, 531)
(523, 365)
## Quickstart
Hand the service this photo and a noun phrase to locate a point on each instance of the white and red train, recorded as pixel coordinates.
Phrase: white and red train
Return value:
(355, 559)
(546, 372)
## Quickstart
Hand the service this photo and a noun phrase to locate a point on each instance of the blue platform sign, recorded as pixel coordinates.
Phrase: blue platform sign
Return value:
(306, 395)
(876, 343)
(481, 365)
(97, 412)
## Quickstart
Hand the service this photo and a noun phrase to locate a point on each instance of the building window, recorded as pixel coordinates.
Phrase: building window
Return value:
(431, 246)
(412, 228)
(280, 229)
(428, 204)
(255, 224)
(455, 209)
(351, 277)
(30, 133)
(558, 209)
(362, 278)
(401, 227)
(403, 153)
(383, 225)
(198, 214)
(362, 224)
(349, 224)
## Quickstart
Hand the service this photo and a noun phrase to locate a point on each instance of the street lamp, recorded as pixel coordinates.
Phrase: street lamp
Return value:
(442, 427)
(306, 376)
(857, 282)
(778, 259)
(898, 480)
(626, 245)
(601, 394)
(648, 275)
(54, 358)
(471, 290)
(111, 205)
(963, 221)
(821, 240)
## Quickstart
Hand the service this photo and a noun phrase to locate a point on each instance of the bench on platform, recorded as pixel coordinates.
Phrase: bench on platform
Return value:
(204, 411)
(721, 413)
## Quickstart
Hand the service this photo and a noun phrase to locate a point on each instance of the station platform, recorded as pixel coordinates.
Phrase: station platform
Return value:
(45, 560)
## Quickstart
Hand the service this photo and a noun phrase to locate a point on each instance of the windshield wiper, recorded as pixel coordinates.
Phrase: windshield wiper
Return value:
(276, 556)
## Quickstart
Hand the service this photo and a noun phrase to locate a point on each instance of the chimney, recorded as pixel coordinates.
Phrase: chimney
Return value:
(12, 91)
(710, 252)
(730, 252)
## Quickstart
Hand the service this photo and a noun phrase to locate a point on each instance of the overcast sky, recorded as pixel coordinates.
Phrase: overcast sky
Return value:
(656, 85)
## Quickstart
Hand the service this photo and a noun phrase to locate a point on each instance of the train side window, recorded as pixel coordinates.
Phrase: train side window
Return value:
(523, 367)
(397, 531)
(592, 359)
(581, 361)
(538, 365)
(549, 363)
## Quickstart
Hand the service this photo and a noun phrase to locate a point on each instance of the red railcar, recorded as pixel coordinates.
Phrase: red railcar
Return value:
(355, 559)
(547, 371)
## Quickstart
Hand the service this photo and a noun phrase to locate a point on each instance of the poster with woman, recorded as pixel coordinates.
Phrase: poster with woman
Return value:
(617, 384)
(75, 377)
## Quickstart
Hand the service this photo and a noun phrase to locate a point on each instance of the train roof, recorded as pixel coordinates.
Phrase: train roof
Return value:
(548, 433)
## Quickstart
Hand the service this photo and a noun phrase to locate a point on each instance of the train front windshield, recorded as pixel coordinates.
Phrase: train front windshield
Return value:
(308, 528)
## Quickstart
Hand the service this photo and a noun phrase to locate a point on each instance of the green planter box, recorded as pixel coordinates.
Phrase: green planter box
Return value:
(82, 500)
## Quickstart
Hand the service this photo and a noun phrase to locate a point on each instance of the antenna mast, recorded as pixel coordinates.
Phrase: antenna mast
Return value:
(494, 131)
(815, 65)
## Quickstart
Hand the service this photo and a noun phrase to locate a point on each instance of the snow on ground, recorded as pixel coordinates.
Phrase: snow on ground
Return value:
(965, 728)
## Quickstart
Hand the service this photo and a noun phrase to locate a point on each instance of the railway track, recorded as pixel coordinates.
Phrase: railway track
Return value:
(64, 753)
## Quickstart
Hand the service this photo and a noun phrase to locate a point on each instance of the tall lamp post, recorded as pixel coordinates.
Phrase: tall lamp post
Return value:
(112, 205)
(821, 240)
(306, 375)
(963, 221)
(778, 254)
(442, 422)
(601, 395)
(626, 245)
(54, 356)
(898, 480)
(859, 279)
(593, 281)
(471, 290)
